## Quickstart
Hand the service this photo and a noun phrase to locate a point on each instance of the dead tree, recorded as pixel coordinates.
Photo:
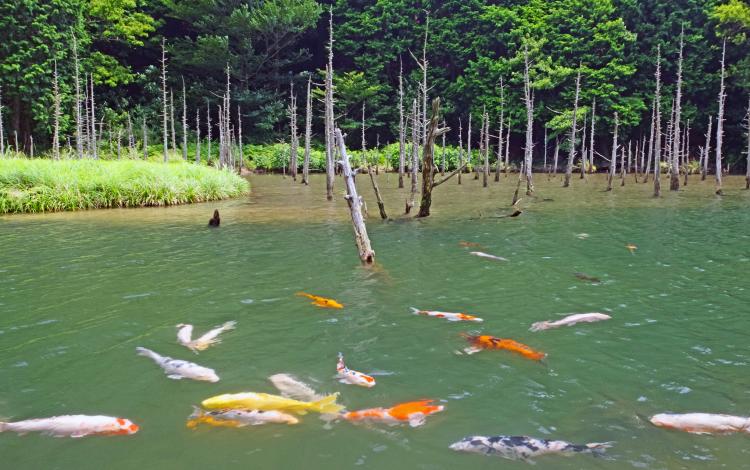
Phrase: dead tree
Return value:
(720, 120)
(584, 150)
(657, 125)
(414, 156)
(747, 127)
(131, 138)
(486, 145)
(500, 131)
(119, 138)
(381, 204)
(460, 149)
(2, 137)
(293, 130)
(79, 122)
(442, 162)
(428, 165)
(557, 154)
(573, 129)
(401, 131)
(364, 143)
(56, 131)
(197, 136)
(468, 142)
(623, 169)
(674, 183)
(94, 143)
(613, 159)
(329, 118)
(241, 155)
(650, 142)
(366, 254)
(686, 152)
(591, 138)
(145, 139)
(184, 123)
(208, 130)
(171, 121)
(165, 116)
(423, 90)
(507, 150)
(308, 133)
(707, 150)
(529, 99)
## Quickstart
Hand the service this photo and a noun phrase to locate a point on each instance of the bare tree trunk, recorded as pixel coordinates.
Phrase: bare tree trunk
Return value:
(507, 150)
(529, 99)
(145, 139)
(401, 130)
(308, 134)
(208, 130)
(165, 116)
(650, 141)
(613, 160)
(468, 143)
(366, 254)
(197, 136)
(720, 120)
(414, 155)
(500, 132)
(79, 123)
(637, 147)
(442, 163)
(657, 125)
(293, 129)
(131, 138)
(381, 204)
(460, 149)
(623, 168)
(56, 131)
(365, 161)
(584, 150)
(2, 137)
(329, 118)
(424, 80)
(239, 139)
(119, 138)
(686, 152)
(674, 183)
(31, 146)
(591, 137)
(557, 153)
(747, 170)
(184, 123)
(94, 144)
(573, 128)
(486, 174)
(428, 164)
(171, 120)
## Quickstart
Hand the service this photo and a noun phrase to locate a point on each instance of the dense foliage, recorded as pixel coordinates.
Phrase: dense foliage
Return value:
(471, 46)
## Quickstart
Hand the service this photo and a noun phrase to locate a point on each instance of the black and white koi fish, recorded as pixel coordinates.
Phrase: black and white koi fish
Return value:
(523, 447)
(178, 369)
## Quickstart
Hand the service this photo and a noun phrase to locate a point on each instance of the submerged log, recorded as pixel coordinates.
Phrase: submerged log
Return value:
(381, 204)
(366, 254)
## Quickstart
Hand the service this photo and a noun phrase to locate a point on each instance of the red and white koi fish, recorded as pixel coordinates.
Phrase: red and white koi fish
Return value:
(73, 426)
(481, 342)
(482, 254)
(238, 418)
(352, 377)
(570, 320)
(319, 301)
(413, 412)
(447, 315)
(702, 423)
(185, 333)
(178, 369)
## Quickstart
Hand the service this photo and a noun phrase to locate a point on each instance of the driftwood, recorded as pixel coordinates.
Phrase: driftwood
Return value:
(366, 254)
(381, 204)
(428, 163)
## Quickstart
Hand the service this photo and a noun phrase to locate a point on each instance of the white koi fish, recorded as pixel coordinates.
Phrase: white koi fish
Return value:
(73, 426)
(238, 418)
(352, 377)
(702, 423)
(523, 447)
(447, 315)
(293, 388)
(482, 254)
(177, 369)
(570, 320)
(185, 332)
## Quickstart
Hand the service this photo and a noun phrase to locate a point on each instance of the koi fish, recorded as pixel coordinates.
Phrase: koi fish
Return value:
(185, 333)
(293, 388)
(178, 369)
(490, 342)
(237, 418)
(631, 247)
(321, 301)
(487, 255)
(570, 320)
(702, 423)
(267, 402)
(586, 277)
(413, 412)
(352, 377)
(523, 447)
(582, 236)
(470, 244)
(447, 315)
(73, 426)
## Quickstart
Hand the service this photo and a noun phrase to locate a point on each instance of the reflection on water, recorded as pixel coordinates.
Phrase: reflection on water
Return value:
(79, 291)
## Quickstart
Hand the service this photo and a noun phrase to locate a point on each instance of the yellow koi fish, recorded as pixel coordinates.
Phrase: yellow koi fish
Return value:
(321, 301)
(268, 402)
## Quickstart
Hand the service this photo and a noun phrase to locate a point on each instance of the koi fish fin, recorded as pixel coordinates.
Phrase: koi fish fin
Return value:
(175, 377)
(77, 435)
(416, 420)
(472, 350)
(327, 405)
(195, 418)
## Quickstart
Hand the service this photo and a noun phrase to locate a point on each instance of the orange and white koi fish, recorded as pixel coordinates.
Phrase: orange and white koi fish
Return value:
(413, 412)
(702, 423)
(490, 342)
(447, 315)
(570, 320)
(238, 418)
(185, 333)
(178, 369)
(631, 248)
(73, 426)
(352, 377)
(482, 254)
(321, 301)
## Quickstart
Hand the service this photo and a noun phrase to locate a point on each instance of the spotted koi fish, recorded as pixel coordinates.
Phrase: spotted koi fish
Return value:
(177, 369)
(73, 426)
(523, 447)
(490, 342)
(413, 412)
(238, 418)
(352, 377)
(321, 301)
(447, 315)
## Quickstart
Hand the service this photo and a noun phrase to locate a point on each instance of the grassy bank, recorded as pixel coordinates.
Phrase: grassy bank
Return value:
(40, 185)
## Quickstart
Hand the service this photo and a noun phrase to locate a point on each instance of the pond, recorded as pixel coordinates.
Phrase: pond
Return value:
(80, 291)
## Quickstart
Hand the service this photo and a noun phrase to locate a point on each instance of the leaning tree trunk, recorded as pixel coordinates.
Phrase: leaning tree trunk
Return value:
(572, 151)
(308, 134)
(428, 161)
(381, 204)
(720, 121)
(366, 254)
(657, 125)
(613, 159)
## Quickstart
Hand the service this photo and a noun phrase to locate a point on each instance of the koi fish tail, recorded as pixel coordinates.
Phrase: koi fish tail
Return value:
(195, 418)
(230, 325)
(539, 326)
(327, 405)
(598, 448)
(415, 311)
(148, 353)
(3, 426)
(303, 294)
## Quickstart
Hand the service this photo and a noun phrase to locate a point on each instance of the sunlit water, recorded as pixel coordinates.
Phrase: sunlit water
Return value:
(79, 291)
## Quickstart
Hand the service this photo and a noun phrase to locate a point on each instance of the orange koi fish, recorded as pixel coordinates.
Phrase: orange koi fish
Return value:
(321, 301)
(481, 342)
(413, 412)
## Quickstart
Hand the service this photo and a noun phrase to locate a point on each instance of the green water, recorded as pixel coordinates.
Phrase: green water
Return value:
(79, 291)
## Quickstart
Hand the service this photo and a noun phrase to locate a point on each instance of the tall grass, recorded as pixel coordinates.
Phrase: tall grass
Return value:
(41, 185)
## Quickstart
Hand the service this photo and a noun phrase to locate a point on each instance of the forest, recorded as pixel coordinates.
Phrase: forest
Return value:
(140, 62)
